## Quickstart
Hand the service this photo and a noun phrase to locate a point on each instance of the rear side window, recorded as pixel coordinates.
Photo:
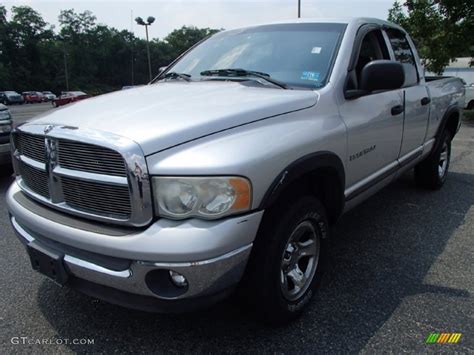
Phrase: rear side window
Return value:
(404, 54)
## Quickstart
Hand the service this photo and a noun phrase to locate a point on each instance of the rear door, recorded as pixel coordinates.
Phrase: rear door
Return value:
(415, 94)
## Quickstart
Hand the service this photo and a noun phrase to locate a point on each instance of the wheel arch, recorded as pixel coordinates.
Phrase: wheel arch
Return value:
(470, 105)
(321, 174)
(450, 121)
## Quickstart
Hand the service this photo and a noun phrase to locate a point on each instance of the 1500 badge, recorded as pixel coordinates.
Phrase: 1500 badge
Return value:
(361, 153)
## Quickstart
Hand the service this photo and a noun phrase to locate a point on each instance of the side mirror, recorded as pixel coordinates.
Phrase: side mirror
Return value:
(378, 75)
(382, 75)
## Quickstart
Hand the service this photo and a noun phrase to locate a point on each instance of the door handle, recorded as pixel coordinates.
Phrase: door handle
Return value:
(425, 101)
(396, 110)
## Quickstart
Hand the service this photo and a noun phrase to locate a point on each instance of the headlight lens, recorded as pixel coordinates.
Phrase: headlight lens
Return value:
(201, 197)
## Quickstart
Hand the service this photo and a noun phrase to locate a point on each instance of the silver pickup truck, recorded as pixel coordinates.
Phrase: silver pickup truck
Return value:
(228, 170)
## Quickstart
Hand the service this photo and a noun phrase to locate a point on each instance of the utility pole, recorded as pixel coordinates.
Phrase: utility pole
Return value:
(141, 22)
(299, 8)
(148, 52)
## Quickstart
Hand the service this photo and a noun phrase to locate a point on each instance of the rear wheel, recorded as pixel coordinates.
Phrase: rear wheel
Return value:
(286, 263)
(432, 172)
(470, 106)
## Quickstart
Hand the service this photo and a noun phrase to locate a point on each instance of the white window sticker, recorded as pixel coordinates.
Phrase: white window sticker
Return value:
(316, 50)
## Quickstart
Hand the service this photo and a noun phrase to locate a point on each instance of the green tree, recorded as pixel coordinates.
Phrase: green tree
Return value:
(99, 58)
(22, 39)
(442, 29)
(181, 39)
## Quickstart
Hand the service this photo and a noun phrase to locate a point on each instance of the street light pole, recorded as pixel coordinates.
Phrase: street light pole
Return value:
(148, 52)
(299, 8)
(141, 22)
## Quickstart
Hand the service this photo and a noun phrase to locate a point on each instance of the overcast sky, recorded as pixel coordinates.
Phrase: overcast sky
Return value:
(226, 14)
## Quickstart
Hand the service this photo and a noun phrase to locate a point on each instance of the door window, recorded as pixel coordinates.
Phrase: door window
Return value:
(372, 48)
(404, 54)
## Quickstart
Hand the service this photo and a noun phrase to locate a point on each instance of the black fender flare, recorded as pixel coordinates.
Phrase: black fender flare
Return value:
(302, 166)
(451, 110)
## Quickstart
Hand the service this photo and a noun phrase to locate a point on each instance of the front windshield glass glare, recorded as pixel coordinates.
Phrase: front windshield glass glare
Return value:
(299, 55)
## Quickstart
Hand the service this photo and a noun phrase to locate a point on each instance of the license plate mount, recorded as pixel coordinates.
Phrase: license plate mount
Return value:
(48, 262)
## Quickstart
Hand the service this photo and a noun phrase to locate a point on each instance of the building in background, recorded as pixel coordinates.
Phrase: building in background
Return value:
(460, 68)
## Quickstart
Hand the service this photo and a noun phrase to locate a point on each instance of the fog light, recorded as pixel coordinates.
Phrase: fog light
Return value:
(178, 279)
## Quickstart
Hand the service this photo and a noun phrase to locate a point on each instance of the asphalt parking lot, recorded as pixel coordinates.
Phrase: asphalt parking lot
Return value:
(22, 113)
(401, 267)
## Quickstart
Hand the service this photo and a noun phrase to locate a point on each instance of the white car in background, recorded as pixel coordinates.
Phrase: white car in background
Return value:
(469, 98)
(49, 95)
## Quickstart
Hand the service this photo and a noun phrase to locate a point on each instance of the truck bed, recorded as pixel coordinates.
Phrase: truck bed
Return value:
(445, 92)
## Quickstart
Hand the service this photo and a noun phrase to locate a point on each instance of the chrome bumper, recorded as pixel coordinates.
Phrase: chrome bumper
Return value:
(211, 255)
(204, 277)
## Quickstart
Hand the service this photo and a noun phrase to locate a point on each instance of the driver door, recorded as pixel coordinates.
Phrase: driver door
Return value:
(374, 129)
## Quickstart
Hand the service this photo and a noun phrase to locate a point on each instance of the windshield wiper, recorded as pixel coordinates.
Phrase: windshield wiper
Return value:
(244, 73)
(175, 75)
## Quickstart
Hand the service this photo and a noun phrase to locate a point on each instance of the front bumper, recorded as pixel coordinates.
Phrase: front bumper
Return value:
(211, 255)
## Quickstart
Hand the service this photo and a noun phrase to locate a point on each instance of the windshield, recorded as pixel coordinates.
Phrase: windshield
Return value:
(299, 55)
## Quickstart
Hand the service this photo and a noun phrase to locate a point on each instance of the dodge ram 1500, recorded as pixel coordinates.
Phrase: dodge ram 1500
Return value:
(229, 168)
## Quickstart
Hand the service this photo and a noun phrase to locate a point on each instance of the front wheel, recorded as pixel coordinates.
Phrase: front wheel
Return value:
(286, 263)
(432, 172)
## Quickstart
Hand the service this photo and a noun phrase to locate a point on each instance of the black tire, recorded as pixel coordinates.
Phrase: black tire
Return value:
(433, 171)
(470, 106)
(263, 285)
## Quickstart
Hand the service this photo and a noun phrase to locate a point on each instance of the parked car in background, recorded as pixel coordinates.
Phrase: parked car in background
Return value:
(41, 96)
(469, 98)
(68, 97)
(31, 97)
(5, 129)
(11, 97)
(49, 96)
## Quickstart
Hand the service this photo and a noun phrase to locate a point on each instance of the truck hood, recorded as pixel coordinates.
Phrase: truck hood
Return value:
(170, 113)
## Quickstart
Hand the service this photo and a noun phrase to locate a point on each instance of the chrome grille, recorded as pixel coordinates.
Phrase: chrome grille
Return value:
(97, 198)
(87, 173)
(90, 158)
(31, 146)
(36, 179)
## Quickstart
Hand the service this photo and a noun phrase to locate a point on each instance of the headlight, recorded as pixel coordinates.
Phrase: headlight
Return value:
(201, 197)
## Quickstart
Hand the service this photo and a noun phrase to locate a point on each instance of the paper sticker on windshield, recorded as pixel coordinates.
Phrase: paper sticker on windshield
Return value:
(310, 75)
(316, 50)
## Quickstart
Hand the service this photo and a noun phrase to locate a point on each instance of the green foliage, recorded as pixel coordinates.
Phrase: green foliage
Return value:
(442, 29)
(184, 38)
(98, 58)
